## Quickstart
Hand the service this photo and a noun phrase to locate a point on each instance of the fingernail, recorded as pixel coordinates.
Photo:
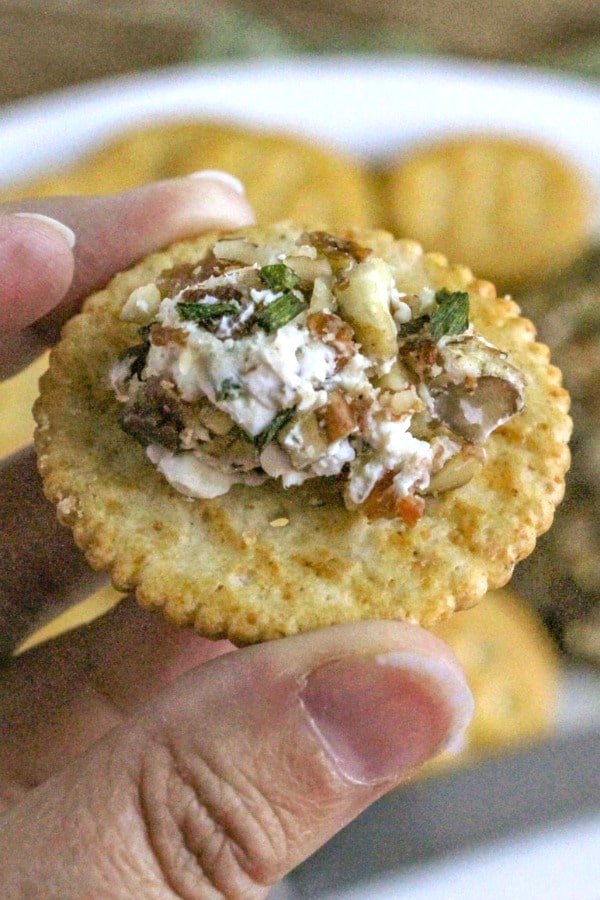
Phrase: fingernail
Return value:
(64, 230)
(224, 177)
(380, 717)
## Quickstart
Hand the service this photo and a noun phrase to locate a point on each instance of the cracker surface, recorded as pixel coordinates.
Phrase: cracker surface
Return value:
(223, 565)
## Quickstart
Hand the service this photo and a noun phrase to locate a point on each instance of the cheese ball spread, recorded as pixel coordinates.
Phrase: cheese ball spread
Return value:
(304, 358)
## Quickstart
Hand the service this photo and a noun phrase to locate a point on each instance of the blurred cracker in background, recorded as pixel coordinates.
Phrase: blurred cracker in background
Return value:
(285, 176)
(513, 210)
(562, 577)
(512, 668)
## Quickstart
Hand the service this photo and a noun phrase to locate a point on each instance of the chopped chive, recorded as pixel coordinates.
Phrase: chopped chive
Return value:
(204, 312)
(280, 311)
(279, 277)
(265, 437)
(451, 313)
(228, 390)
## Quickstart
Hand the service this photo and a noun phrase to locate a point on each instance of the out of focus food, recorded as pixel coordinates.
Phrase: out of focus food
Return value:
(512, 668)
(286, 176)
(512, 209)
(562, 578)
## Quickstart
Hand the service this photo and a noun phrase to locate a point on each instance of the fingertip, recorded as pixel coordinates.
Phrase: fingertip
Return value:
(205, 201)
(37, 264)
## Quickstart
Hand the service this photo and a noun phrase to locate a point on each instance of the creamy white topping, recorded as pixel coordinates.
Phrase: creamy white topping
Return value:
(305, 359)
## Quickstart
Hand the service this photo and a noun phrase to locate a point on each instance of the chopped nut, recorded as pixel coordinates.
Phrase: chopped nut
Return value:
(303, 440)
(216, 420)
(383, 503)
(308, 269)
(458, 471)
(141, 304)
(337, 418)
(399, 403)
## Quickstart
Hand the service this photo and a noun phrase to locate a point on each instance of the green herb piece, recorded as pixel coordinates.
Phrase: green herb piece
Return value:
(280, 311)
(271, 431)
(228, 390)
(279, 277)
(450, 315)
(204, 312)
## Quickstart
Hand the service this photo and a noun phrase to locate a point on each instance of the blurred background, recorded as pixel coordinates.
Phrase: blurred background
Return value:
(59, 42)
(521, 211)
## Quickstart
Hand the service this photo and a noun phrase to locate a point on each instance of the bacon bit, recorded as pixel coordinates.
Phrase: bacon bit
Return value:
(160, 335)
(331, 329)
(382, 503)
(337, 418)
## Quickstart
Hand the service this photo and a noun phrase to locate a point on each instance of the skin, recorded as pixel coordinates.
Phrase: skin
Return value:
(139, 760)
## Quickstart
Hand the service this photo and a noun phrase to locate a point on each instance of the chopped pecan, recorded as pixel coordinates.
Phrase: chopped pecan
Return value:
(336, 249)
(331, 329)
(160, 335)
(156, 415)
(337, 418)
(383, 503)
(419, 356)
(222, 292)
(186, 275)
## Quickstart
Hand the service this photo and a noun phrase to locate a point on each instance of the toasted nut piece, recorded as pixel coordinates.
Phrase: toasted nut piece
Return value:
(365, 303)
(398, 403)
(396, 379)
(141, 304)
(337, 418)
(322, 298)
(308, 269)
(458, 471)
(303, 440)
(216, 420)
(237, 250)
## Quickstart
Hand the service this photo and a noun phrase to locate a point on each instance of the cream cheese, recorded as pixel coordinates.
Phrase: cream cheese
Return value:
(279, 363)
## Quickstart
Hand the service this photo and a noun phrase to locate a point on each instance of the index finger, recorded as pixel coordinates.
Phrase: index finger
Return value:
(44, 279)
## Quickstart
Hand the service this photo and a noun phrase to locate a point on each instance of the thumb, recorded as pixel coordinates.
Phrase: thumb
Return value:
(242, 768)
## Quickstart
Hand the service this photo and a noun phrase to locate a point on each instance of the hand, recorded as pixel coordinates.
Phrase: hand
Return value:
(137, 760)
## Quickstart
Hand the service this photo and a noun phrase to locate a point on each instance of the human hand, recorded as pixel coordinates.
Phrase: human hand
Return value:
(138, 760)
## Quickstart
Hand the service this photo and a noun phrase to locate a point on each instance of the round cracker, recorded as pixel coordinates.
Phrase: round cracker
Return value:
(512, 209)
(514, 703)
(260, 563)
(286, 176)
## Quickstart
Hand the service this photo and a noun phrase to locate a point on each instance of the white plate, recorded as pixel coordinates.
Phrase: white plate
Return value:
(368, 105)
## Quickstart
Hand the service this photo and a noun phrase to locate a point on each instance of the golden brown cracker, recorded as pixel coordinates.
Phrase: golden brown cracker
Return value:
(286, 176)
(512, 209)
(221, 565)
